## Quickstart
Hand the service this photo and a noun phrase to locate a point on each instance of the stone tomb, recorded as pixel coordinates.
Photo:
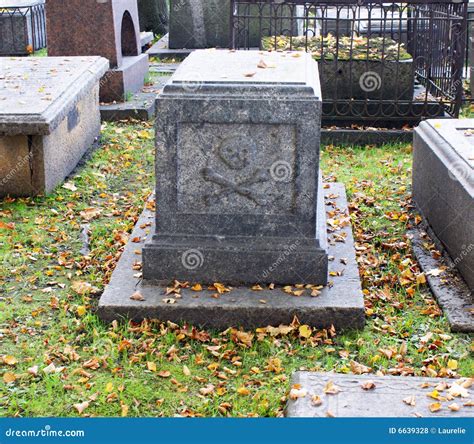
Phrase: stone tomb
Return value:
(371, 396)
(443, 186)
(100, 28)
(240, 199)
(49, 117)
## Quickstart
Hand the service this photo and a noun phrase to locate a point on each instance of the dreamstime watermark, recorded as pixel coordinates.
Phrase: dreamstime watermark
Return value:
(281, 171)
(193, 82)
(46, 432)
(192, 259)
(290, 249)
(370, 81)
(465, 250)
(459, 171)
(16, 169)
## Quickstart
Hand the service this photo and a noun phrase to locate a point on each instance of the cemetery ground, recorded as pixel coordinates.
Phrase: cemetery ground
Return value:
(58, 252)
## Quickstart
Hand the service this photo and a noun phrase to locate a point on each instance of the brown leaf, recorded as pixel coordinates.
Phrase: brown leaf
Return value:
(164, 374)
(369, 385)
(137, 296)
(359, 369)
(331, 389)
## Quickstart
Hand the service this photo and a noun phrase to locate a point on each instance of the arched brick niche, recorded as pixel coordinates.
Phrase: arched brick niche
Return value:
(128, 36)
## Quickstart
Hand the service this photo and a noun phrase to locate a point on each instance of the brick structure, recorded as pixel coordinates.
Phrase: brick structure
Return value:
(107, 28)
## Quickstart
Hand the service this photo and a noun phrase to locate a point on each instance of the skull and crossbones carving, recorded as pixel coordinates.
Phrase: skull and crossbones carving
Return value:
(237, 156)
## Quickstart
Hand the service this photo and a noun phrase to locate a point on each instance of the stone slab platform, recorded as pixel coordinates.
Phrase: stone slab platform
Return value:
(141, 106)
(449, 288)
(385, 400)
(340, 304)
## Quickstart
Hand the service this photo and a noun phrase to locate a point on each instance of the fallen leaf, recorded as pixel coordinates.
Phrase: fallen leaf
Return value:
(331, 389)
(9, 377)
(369, 385)
(164, 374)
(80, 407)
(305, 331)
(137, 296)
(410, 400)
(454, 407)
(243, 391)
(151, 366)
(10, 360)
(359, 369)
(435, 407)
(296, 393)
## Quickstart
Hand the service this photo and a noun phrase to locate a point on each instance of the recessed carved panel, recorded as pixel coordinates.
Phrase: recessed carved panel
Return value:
(236, 168)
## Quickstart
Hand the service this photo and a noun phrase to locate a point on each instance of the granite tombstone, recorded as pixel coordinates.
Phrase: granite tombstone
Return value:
(238, 170)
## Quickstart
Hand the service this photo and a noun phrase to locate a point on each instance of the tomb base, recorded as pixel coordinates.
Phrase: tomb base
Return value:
(239, 259)
(340, 303)
(118, 83)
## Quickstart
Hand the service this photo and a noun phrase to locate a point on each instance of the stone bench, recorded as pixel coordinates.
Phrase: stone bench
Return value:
(49, 117)
(443, 186)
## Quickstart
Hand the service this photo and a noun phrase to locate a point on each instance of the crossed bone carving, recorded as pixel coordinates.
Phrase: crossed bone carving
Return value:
(232, 187)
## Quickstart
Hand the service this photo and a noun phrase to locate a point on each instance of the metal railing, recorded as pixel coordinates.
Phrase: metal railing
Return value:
(381, 63)
(22, 28)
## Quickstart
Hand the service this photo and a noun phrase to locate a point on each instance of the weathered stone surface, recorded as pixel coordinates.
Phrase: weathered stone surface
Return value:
(22, 26)
(106, 28)
(237, 170)
(385, 400)
(443, 186)
(449, 288)
(206, 23)
(340, 305)
(49, 117)
(199, 24)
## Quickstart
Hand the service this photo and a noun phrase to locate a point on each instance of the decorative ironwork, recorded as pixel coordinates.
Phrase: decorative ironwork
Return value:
(22, 29)
(381, 63)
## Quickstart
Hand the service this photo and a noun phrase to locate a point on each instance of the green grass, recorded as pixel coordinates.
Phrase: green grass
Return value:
(45, 318)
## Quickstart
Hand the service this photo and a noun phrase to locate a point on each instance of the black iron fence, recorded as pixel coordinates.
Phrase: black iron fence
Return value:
(22, 28)
(381, 63)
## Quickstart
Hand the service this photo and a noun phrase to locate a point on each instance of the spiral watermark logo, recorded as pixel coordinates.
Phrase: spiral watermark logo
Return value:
(370, 81)
(192, 259)
(192, 82)
(12, 260)
(281, 171)
(459, 171)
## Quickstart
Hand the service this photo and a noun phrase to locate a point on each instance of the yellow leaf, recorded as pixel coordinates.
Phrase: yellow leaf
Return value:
(124, 409)
(81, 310)
(197, 287)
(243, 391)
(452, 364)
(435, 406)
(186, 371)
(151, 366)
(109, 387)
(10, 360)
(305, 331)
(9, 377)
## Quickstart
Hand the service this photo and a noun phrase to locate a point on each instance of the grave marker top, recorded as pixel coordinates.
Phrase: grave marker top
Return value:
(37, 92)
(458, 134)
(246, 70)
